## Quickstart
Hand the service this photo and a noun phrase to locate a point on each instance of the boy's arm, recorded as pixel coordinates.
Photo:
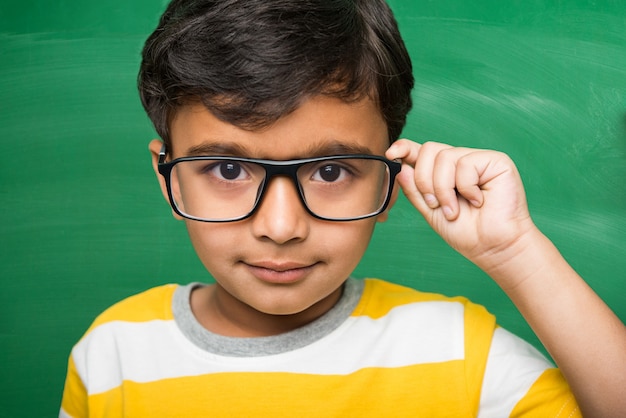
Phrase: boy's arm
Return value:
(475, 200)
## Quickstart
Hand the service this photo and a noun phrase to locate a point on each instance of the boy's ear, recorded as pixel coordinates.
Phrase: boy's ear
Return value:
(394, 196)
(155, 147)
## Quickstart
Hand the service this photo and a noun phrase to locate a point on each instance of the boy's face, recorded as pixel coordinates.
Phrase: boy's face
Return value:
(281, 260)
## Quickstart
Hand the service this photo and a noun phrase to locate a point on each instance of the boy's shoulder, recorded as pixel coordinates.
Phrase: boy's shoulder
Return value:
(149, 305)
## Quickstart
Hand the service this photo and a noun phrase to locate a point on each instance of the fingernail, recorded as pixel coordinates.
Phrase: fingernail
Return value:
(431, 200)
(447, 211)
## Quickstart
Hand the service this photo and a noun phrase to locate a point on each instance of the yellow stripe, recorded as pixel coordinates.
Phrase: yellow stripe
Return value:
(478, 336)
(415, 391)
(549, 396)
(379, 297)
(74, 393)
(156, 304)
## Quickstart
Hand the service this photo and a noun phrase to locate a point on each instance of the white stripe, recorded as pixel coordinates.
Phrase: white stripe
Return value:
(513, 366)
(143, 352)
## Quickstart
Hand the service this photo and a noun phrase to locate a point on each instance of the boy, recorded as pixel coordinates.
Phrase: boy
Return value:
(279, 120)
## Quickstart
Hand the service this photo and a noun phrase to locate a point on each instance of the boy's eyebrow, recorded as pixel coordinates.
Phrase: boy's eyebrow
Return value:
(216, 148)
(334, 147)
(326, 148)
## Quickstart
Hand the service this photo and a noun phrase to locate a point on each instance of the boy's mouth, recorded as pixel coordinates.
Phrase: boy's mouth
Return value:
(279, 273)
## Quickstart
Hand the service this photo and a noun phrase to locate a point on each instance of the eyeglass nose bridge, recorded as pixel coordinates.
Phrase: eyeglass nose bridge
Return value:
(280, 169)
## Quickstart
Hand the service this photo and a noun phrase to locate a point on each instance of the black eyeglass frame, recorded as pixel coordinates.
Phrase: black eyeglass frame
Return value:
(288, 168)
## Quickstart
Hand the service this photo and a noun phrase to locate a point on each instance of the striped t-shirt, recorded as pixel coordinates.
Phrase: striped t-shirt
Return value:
(384, 350)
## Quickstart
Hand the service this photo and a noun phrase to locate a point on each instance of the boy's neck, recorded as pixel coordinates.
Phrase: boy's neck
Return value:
(223, 314)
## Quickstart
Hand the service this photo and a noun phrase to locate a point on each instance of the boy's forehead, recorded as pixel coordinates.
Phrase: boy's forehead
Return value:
(320, 126)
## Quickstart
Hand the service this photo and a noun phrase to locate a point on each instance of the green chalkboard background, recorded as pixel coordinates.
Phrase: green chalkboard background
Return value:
(84, 225)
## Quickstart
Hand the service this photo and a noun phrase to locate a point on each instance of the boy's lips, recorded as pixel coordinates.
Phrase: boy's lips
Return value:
(279, 273)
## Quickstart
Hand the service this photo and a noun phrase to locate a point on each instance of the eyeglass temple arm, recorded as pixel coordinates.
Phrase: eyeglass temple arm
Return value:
(162, 154)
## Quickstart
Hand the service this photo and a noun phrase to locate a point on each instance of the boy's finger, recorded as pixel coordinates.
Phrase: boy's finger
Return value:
(479, 170)
(405, 150)
(407, 182)
(408, 151)
(425, 172)
(468, 177)
(445, 180)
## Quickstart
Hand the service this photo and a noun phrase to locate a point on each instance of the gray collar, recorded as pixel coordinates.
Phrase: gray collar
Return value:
(263, 346)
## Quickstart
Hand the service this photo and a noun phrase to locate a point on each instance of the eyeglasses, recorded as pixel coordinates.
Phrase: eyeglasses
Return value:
(227, 189)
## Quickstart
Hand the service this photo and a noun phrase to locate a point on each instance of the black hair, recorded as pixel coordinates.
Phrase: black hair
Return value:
(252, 61)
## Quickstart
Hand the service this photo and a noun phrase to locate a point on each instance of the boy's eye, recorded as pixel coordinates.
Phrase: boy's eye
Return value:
(330, 173)
(227, 170)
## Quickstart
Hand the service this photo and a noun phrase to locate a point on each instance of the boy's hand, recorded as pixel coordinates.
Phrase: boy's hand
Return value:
(473, 198)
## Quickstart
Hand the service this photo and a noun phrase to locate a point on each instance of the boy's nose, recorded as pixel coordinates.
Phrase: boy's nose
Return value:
(281, 216)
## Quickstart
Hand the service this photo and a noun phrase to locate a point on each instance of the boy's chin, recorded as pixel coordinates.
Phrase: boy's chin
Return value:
(293, 313)
(281, 310)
